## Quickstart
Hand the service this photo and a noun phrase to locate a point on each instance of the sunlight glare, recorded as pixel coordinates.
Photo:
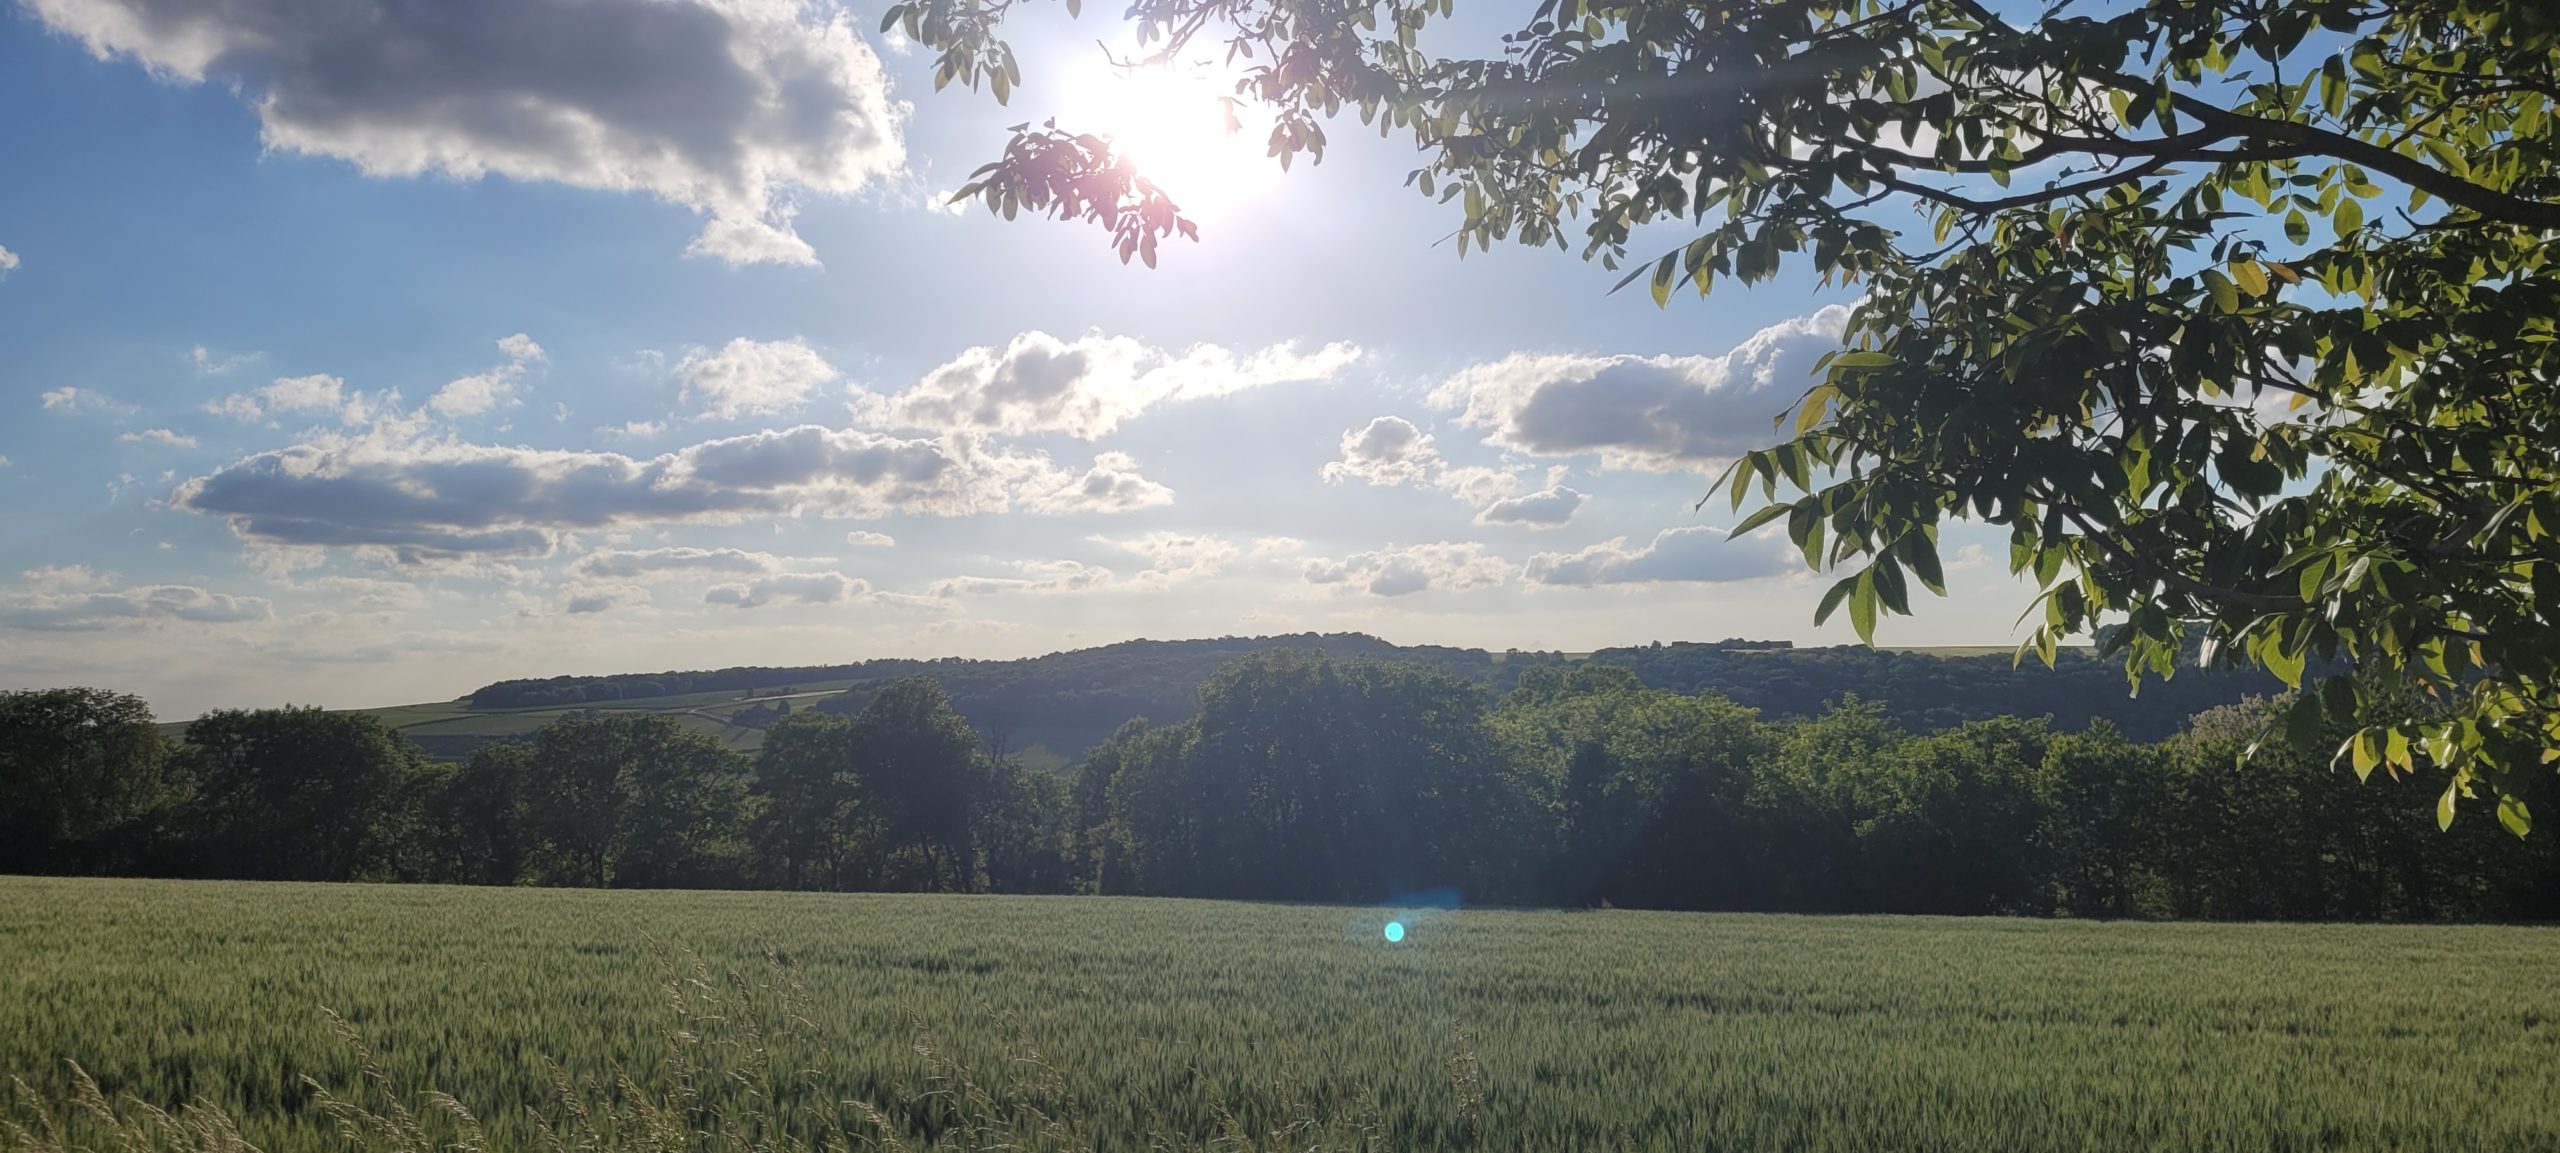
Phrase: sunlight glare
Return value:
(1170, 121)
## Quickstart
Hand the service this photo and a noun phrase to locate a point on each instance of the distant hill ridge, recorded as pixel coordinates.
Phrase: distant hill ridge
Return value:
(1066, 701)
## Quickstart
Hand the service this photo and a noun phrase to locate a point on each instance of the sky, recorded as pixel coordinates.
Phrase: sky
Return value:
(360, 352)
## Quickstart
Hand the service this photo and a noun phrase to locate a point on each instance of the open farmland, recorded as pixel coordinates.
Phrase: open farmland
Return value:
(1289, 1026)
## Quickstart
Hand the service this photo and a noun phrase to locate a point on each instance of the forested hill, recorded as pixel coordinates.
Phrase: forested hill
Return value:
(1065, 702)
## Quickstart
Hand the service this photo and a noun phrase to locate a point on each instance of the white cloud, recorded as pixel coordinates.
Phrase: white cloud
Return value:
(816, 588)
(727, 107)
(646, 563)
(588, 599)
(752, 378)
(1476, 484)
(864, 538)
(1062, 576)
(159, 436)
(73, 399)
(75, 599)
(8, 262)
(478, 393)
(1394, 572)
(1696, 554)
(1274, 546)
(426, 499)
(1174, 558)
(1390, 451)
(319, 392)
(635, 430)
(1662, 413)
(210, 365)
(1545, 508)
(1113, 484)
(1086, 387)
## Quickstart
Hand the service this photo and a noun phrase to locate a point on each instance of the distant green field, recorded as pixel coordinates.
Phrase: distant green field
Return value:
(1193, 1025)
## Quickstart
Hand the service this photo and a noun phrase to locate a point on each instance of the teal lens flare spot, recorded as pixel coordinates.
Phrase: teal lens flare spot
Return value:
(1395, 930)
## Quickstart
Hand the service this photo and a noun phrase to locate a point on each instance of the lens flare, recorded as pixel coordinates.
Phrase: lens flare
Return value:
(1395, 931)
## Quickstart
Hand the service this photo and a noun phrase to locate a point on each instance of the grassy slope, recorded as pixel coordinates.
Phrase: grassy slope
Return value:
(1590, 1030)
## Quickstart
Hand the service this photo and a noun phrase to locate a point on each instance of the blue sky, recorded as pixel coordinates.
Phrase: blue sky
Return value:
(357, 361)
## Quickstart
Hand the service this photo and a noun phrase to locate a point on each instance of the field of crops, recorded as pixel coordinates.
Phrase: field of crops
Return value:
(1198, 1024)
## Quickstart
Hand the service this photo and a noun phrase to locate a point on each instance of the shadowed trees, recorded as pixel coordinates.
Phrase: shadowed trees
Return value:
(84, 777)
(298, 794)
(1303, 778)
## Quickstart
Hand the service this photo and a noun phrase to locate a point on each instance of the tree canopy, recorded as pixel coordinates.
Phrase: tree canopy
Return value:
(2239, 315)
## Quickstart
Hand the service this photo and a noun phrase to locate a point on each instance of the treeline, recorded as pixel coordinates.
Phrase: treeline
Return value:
(1069, 701)
(1301, 778)
(1926, 692)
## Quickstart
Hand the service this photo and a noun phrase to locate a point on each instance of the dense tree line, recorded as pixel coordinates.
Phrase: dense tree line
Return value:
(1067, 702)
(1299, 778)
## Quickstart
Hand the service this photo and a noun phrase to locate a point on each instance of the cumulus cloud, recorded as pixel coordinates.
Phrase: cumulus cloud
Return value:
(1113, 484)
(1173, 557)
(1061, 576)
(1394, 572)
(727, 107)
(1662, 413)
(74, 599)
(159, 436)
(8, 262)
(73, 399)
(1545, 508)
(1390, 451)
(589, 599)
(1697, 554)
(481, 391)
(1086, 387)
(752, 378)
(645, 563)
(634, 429)
(811, 588)
(426, 499)
(319, 393)
(865, 538)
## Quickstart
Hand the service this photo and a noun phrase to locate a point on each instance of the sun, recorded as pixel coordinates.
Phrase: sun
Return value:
(1172, 123)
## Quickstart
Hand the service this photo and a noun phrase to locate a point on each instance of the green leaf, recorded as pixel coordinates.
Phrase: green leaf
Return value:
(2226, 297)
(2350, 217)
(2515, 816)
(2302, 721)
(2312, 576)
(2285, 663)
(1759, 517)
(2444, 805)
(1863, 359)
(1921, 553)
(2364, 752)
(1862, 607)
(1817, 404)
(1831, 599)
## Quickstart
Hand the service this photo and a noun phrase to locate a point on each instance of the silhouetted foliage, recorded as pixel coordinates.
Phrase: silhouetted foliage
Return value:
(1303, 777)
(298, 794)
(84, 777)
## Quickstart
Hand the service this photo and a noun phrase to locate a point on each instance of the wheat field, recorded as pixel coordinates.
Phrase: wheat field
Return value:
(333, 1017)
